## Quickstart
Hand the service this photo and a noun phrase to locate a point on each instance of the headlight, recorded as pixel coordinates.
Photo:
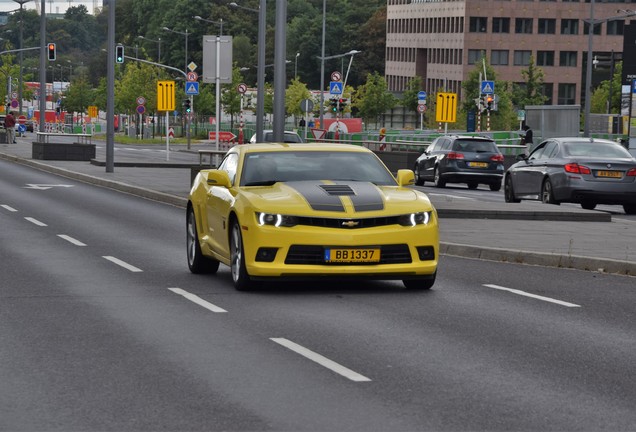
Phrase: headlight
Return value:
(421, 218)
(276, 220)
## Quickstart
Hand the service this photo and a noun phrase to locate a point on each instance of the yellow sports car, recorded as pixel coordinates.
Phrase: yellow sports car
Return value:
(308, 211)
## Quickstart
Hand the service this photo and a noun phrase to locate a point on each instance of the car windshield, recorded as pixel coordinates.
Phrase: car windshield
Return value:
(595, 149)
(475, 146)
(266, 168)
(288, 137)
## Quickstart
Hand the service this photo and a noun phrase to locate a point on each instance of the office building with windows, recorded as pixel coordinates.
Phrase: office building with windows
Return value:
(442, 40)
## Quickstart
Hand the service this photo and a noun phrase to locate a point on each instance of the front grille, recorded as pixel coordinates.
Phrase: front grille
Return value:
(348, 223)
(304, 254)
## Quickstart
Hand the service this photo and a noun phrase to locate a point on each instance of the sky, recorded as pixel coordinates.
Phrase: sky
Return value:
(52, 6)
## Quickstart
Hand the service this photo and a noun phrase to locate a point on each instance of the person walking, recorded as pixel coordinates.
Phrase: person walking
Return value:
(528, 139)
(9, 125)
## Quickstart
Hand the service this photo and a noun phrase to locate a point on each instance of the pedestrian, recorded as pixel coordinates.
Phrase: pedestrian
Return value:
(302, 122)
(527, 137)
(9, 125)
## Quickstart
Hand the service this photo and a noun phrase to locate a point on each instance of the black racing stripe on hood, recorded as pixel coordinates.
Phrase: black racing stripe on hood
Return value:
(366, 196)
(317, 197)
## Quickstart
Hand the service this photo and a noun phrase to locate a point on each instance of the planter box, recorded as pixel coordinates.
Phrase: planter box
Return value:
(63, 151)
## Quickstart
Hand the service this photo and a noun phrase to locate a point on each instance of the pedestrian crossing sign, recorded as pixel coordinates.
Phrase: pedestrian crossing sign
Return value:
(335, 88)
(487, 87)
(192, 88)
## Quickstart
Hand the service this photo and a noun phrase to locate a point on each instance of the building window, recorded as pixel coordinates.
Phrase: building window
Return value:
(547, 25)
(567, 58)
(501, 25)
(499, 57)
(569, 26)
(474, 56)
(478, 24)
(547, 90)
(522, 58)
(545, 58)
(523, 25)
(615, 28)
(597, 28)
(567, 94)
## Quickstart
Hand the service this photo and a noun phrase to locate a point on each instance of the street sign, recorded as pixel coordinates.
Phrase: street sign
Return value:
(446, 109)
(306, 105)
(141, 100)
(192, 88)
(335, 87)
(92, 111)
(165, 96)
(421, 95)
(192, 66)
(141, 109)
(336, 76)
(488, 87)
(241, 88)
(22, 119)
(421, 108)
(192, 76)
(223, 136)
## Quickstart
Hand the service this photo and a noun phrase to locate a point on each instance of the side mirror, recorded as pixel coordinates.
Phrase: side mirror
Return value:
(522, 156)
(217, 178)
(405, 177)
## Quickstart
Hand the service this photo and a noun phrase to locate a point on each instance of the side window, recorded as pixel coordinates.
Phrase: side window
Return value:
(538, 152)
(447, 144)
(434, 145)
(550, 150)
(230, 164)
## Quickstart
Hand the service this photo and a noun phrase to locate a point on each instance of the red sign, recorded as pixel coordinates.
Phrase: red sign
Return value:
(22, 119)
(223, 136)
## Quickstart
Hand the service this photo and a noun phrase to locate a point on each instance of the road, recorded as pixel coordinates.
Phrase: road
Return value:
(104, 328)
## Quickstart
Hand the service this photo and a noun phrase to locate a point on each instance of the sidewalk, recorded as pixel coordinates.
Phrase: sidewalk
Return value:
(528, 232)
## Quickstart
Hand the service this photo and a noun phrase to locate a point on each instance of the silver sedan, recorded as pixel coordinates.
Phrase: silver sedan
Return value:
(578, 170)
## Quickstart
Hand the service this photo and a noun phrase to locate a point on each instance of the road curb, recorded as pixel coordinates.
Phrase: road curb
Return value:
(602, 265)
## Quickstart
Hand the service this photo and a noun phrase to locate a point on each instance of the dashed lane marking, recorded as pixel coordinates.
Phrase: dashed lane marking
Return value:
(123, 264)
(538, 297)
(198, 300)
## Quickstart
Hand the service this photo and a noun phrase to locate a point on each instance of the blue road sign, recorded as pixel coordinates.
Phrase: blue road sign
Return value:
(192, 88)
(335, 87)
(488, 87)
(421, 95)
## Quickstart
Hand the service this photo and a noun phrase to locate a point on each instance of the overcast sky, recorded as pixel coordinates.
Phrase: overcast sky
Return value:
(55, 6)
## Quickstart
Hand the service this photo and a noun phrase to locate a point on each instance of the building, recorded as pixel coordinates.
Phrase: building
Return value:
(441, 40)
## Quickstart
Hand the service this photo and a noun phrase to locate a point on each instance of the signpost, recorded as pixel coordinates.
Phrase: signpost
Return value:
(446, 110)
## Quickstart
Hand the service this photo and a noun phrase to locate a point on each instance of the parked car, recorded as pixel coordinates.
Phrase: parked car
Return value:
(461, 159)
(268, 136)
(312, 212)
(578, 170)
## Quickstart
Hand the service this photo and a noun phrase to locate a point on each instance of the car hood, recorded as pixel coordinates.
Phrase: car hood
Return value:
(340, 198)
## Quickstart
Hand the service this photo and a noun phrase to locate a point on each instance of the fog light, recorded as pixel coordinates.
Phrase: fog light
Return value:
(426, 253)
(266, 254)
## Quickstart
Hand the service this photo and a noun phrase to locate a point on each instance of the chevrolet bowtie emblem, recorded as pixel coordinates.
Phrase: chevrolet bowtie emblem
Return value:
(350, 224)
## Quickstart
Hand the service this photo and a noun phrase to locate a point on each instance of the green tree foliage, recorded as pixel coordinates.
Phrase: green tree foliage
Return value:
(78, 96)
(530, 93)
(139, 79)
(601, 95)
(372, 99)
(409, 97)
(295, 94)
(230, 97)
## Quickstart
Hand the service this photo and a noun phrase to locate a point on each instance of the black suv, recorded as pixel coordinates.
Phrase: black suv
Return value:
(461, 159)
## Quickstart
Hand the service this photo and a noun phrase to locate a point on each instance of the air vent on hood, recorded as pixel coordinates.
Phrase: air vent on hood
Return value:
(338, 190)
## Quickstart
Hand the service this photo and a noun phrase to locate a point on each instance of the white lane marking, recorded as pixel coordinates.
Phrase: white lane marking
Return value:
(35, 221)
(45, 186)
(9, 208)
(538, 297)
(321, 360)
(71, 240)
(198, 300)
(452, 196)
(123, 264)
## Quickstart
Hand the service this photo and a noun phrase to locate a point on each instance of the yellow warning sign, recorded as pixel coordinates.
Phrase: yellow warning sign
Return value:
(165, 96)
(446, 108)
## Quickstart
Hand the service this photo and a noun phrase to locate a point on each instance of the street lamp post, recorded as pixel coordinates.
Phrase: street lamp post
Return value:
(185, 70)
(260, 74)
(21, 3)
(219, 23)
(296, 66)
(158, 46)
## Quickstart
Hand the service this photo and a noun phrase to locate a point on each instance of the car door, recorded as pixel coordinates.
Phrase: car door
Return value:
(219, 201)
(529, 177)
(427, 161)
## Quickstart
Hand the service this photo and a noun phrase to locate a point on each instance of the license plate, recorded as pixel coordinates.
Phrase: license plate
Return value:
(612, 174)
(349, 255)
(477, 164)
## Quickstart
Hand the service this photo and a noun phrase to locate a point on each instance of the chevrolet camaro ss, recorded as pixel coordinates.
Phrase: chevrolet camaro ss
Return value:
(310, 211)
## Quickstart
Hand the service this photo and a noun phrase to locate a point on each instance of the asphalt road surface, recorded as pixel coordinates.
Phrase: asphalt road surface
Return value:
(104, 328)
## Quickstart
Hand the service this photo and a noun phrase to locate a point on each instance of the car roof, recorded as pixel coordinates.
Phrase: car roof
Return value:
(283, 147)
(469, 137)
(581, 140)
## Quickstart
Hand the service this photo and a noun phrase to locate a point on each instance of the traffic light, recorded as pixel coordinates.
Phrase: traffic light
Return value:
(489, 101)
(334, 105)
(51, 51)
(187, 106)
(343, 104)
(119, 54)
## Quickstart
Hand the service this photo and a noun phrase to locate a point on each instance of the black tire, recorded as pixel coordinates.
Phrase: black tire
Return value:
(241, 279)
(420, 284)
(495, 187)
(587, 205)
(437, 179)
(197, 262)
(473, 185)
(630, 209)
(547, 194)
(509, 192)
(419, 180)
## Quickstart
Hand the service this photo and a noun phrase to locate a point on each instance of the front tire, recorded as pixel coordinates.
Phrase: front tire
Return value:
(420, 284)
(547, 193)
(419, 180)
(586, 205)
(197, 262)
(495, 187)
(630, 209)
(437, 179)
(509, 192)
(241, 279)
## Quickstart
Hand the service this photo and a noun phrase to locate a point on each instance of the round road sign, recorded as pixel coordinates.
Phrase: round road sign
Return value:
(141, 100)
(141, 109)
(192, 76)
(22, 119)
(306, 105)
(421, 108)
(241, 88)
(336, 76)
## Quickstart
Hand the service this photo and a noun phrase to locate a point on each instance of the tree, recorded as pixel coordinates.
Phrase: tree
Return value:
(230, 97)
(410, 99)
(372, 99)
(78, 96)
(600, 101)
(530, 93)
(295, 94)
